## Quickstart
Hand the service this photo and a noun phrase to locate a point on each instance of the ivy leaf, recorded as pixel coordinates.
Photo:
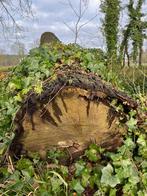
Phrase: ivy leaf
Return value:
(129, 143)
(142, 140)
(76, 185)
(79, 168)
(89, 56)
(85, 177)
(144, 179)
(129, 189)
(38, 88)
(112, 192)
(132, 123)
(128, 171)
(56, 183)
(93, 153)
(16, 83)
(26, 174)
(18, 97)
(108, 178)
(26, 166)
(64, 170)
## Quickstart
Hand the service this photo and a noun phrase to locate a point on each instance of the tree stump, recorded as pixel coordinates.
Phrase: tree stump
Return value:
(48, 38)
(74, 109)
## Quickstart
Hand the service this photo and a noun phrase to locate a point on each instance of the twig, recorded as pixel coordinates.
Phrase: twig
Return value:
(53, 98)
(11, 164)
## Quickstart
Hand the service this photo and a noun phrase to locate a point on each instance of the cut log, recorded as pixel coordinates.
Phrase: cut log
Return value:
(48, 38)
(74, 109)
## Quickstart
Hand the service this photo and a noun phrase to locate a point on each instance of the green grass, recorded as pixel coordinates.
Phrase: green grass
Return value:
(135, 79)
(6, 68)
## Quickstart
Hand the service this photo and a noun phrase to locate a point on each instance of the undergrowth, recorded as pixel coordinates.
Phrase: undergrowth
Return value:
(98, 172)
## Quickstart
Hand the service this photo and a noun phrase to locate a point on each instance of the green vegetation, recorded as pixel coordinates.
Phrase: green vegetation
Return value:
(97, 172)
(33, 70)
(9, 60)
(111, 9)
(133, 34)
(6, 68)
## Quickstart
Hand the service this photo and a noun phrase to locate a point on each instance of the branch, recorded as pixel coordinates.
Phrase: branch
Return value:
(88, 21)
(10, 9)
(9, 14)
(74, 10)
(69, 27)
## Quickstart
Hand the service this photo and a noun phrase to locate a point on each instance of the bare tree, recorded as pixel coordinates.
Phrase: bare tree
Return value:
(10, 10)
(79, 13)
(18, 48)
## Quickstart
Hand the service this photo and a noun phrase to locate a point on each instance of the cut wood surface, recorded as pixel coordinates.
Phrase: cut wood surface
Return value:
(74, 109)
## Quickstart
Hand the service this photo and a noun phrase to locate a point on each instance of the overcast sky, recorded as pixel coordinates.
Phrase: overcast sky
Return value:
(56, 16)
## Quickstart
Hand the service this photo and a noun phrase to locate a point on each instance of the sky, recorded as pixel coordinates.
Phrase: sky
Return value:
(58, 17)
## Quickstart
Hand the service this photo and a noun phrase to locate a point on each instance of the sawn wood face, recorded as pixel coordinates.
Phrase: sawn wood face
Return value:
(71, 118)
(73, 110)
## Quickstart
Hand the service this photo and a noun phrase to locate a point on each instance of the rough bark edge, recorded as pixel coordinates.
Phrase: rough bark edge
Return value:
(68, 76)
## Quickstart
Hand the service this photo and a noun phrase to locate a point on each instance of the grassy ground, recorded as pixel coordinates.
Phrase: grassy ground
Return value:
(5, 68)
(9, 60)
(135, 78)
